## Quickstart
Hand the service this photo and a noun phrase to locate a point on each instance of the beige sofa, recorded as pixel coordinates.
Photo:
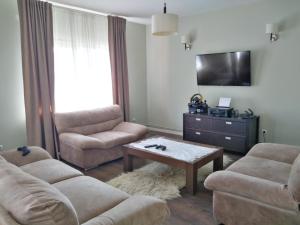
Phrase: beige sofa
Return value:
(90, 138)
(262, 188)
(38, 190)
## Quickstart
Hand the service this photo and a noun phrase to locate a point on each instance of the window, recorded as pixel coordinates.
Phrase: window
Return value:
(82, 64)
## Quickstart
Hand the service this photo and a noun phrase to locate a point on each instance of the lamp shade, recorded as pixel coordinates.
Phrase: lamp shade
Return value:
(164, 24)
(271, 28)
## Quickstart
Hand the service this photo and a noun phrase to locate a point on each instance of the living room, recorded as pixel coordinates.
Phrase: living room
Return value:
(152, 78)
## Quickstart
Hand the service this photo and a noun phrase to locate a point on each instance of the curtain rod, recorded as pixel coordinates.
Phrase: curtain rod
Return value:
(78, 8)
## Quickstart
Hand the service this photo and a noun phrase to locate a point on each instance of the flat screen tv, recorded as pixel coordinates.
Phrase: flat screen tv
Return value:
(224, 69)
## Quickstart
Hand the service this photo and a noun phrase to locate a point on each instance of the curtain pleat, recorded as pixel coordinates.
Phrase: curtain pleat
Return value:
(118, 61)
(38, 73)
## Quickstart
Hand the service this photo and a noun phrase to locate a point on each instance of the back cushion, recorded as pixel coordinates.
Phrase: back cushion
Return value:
(294, 179)
(32, 201)
(89, 121)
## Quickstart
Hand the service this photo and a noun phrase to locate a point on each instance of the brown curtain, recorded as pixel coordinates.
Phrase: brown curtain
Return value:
(118, 61)
(38, 73)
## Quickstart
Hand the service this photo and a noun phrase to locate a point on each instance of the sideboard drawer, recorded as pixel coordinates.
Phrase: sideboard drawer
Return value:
(198, 136)
(233, 143)
(194, 122)
(228, 126)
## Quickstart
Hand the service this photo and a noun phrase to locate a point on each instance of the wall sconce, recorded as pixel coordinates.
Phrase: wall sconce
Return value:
(272, 30)
(186, 42)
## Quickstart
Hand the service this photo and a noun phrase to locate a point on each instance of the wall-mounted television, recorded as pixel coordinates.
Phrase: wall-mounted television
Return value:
(224, 69)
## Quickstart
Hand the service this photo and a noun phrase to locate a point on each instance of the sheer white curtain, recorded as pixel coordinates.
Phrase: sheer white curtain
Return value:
(82, 64)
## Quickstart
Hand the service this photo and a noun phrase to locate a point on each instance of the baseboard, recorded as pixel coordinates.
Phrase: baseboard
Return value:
(165, 131)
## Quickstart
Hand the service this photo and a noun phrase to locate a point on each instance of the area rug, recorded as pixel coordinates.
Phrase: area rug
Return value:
(159, 180)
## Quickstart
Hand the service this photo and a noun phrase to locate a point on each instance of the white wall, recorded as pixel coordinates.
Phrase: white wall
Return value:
(136, 56)
(274, 95)
(12, 114)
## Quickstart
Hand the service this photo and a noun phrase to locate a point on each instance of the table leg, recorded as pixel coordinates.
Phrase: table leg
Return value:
(218, 163)
(128, 164)
(191, 179)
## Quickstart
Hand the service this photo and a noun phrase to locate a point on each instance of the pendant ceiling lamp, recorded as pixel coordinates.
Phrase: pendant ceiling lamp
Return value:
(164, 24)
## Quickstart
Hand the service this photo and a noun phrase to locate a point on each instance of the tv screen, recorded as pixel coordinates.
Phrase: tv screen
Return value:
(224, 69)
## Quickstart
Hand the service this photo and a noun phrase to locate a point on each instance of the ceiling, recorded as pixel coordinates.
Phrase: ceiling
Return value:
(141, 10)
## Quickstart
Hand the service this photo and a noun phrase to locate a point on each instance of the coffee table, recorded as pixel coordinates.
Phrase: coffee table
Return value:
(182, 154)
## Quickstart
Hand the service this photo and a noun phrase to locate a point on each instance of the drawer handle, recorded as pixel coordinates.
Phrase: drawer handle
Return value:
(197, 133)
(198, 119)
(228, 138)
(228, 123)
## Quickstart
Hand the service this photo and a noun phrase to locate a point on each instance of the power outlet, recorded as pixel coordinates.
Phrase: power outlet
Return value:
(1, 147)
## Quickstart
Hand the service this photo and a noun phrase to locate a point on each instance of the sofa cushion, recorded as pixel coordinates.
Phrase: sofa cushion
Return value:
(51, 170)
(262, 168)
(135, 210)
(109, 139)
(103, 140)
(276, 152)
(132, 128)
(294, 179)
(90, 197)
(89, 121)
(33, 201)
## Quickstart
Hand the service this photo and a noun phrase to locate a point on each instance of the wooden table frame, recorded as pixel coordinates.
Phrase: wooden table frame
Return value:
(191, 168)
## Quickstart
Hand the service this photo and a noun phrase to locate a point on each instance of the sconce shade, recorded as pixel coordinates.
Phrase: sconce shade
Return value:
(164, 24)
(184, 39)
(271, 28)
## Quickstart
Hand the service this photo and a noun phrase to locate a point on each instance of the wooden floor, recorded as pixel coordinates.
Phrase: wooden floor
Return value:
(187, 210)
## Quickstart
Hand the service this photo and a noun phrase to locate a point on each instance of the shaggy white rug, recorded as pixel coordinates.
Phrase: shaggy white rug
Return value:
(159, 180)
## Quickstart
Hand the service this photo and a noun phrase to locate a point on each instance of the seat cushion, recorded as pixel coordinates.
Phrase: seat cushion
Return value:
(135, 210)
(294, 180)
(110, 139)
(262, 168)
(32, 201)
(132, 128)
(90, 197)
(276, 152)
(51, 170)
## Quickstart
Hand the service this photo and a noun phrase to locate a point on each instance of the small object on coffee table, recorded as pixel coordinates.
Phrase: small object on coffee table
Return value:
(161, 147)
(181, 154)
(150, 146)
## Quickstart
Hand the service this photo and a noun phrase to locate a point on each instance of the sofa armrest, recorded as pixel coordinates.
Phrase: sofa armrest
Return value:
(277, 152)
(15, 157)
(135, 210)
(137, 130)
(254, 188)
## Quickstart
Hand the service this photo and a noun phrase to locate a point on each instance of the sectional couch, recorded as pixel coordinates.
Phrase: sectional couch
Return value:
(262, 188)
(39, 190)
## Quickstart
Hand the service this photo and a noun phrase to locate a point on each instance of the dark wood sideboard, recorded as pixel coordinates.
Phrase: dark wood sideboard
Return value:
(233, 134)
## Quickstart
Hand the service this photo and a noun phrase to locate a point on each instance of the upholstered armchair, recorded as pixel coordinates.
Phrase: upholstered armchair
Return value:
(90, 138)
